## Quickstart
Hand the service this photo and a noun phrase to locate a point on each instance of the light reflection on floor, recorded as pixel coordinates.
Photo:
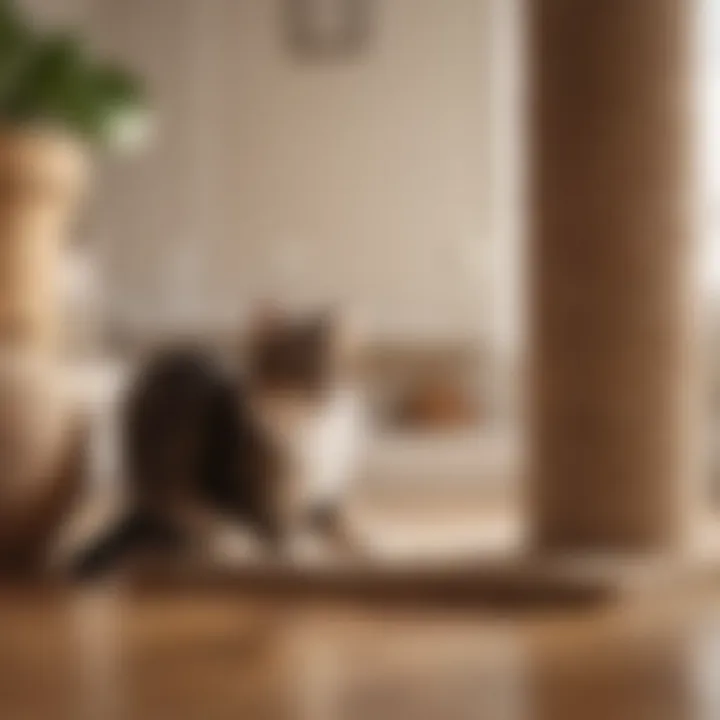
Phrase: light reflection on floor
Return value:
(206, 655)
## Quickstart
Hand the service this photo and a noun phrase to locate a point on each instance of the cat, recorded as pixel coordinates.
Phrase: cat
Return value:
(272, 448)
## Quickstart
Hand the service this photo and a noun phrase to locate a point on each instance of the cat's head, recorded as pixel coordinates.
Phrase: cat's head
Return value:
(300, 358)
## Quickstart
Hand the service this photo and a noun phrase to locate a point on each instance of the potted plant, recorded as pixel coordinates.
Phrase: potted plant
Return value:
(57, 102)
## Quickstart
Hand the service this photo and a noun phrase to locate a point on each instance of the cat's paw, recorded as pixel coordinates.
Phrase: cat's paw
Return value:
(310, 550)
(232, 546)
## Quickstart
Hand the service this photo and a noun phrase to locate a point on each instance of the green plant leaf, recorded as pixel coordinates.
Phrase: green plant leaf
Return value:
(117, 98)
(15, 47)
(51, 79)
(48, 86)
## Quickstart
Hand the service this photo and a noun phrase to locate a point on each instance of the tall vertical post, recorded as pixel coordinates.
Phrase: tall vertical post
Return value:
(610, 252)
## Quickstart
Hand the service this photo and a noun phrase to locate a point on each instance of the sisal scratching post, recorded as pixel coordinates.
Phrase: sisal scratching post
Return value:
(611, 249)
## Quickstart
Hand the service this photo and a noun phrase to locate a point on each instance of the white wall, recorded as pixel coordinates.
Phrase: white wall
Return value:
(367, 180)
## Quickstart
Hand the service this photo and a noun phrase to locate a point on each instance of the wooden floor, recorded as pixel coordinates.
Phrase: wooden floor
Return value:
(212, 654)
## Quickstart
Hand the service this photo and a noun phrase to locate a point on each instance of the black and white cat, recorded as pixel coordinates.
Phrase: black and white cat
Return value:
(272, 449)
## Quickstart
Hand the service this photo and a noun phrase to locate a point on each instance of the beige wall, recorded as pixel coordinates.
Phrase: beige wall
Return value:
(366, 180)
(58, 11)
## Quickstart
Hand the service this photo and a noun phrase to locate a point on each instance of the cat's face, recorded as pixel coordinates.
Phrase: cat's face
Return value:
(294, 364)
(290, 356)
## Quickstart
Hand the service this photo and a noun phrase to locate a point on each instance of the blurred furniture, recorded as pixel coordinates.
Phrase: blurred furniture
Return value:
(42, 177)
(442, 417)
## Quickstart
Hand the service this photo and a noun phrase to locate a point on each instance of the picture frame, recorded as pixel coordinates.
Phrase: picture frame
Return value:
(327, 29)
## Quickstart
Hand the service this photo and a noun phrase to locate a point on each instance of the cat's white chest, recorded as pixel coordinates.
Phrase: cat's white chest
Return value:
(321, 447)
(331, 447)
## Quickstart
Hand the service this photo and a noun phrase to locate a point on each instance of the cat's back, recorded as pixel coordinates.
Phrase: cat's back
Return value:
(166, 414)
(238, 458)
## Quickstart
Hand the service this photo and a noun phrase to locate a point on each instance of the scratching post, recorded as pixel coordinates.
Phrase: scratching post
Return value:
(610, 301)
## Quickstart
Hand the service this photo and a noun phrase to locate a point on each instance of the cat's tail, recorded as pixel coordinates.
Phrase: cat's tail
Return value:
(135, 532)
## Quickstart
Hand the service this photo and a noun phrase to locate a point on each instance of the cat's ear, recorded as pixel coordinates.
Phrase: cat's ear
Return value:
(265, 319)
(345, 333)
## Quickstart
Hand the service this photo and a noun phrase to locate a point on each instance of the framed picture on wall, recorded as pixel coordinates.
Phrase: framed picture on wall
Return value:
(327, 29)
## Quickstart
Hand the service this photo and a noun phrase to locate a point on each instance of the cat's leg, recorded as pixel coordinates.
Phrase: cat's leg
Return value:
(276, 534)
(278, 516)
(334, 523)
(214, 534)
(134, 533)
(230, 541)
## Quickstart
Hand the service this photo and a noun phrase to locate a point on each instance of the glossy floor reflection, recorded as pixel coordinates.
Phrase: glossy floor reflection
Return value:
(203, 656)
